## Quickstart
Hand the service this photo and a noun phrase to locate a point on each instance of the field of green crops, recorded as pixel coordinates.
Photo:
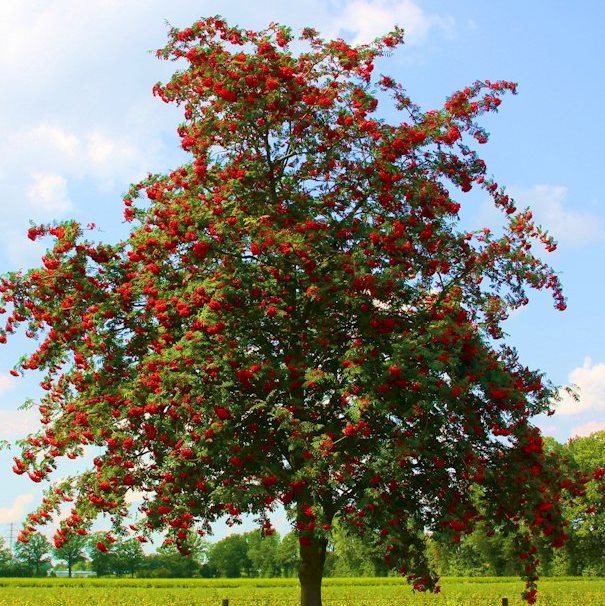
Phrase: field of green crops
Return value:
(284, 592)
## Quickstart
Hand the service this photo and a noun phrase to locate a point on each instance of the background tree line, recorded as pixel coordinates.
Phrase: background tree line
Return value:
(252, 555)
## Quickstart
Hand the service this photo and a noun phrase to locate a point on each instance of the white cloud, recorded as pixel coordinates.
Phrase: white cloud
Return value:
(17, 423)
(20, 250)
(46, 135)
(590, 380)
(570, 225)
(94, 153)
(43, 148)
(48, 194)
(6, 383)
(134, 497)
(110, 158)
(550, 430)
(62, 27)
(587, 429)
(550, 208)
(16, 511)
(368, 19)
(79, 111)
(100, 148)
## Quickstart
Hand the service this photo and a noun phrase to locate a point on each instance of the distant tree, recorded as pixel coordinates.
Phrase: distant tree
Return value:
(488, 552)
(71, 550)
(156, 565)
(477, 554)
(585, 551)
(287, 554)
(128, 557)
(496, 552)
(263, 554)
(354, 557)
(229, 556)
(6, 556)
(34, 553)
(7, 562)
(101, 560)
(170, 561)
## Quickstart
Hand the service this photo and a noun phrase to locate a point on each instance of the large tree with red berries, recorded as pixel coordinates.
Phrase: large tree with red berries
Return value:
(297, 319)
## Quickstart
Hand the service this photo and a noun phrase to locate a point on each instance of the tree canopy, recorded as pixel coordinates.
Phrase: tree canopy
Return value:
(71, 550)
(298, 318)
(34, 553)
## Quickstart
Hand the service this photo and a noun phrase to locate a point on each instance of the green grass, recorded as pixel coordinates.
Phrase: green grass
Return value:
(284, 592)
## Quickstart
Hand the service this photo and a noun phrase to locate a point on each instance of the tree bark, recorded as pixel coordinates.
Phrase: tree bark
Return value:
(310, 572)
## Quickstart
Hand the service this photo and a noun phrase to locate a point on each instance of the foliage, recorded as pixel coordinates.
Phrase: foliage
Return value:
(229, 557)
(252, 554)
(71, 550)
(126, 557)
(262, 552)
(493, 553)
(353, 558)
(168, 561)
(584, 550)
(6, 556)
(101, 560)
(297, 318)
(287, 554)
(477, 554)
(9, 567)
(34, 553)
(129, 557)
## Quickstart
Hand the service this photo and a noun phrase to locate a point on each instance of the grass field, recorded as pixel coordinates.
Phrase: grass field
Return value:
(284, 592)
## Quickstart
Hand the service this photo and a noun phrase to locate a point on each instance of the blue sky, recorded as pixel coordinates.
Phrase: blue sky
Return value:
(79, 123)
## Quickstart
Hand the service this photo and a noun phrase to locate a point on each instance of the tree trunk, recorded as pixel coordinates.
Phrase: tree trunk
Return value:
(310, 572)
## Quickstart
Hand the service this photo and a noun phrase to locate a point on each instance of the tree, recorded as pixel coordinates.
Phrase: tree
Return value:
(129, 557)
(481, 553)
(185, 560)
(287, 554)
(34, 553)
(584, 549)
(9, 567)
(263, 552)
(6, 556)
(102, 558)
(70, 550)
(7, 563)
(169, 561)
(353, 558)
(229, 557)
(298, 318)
